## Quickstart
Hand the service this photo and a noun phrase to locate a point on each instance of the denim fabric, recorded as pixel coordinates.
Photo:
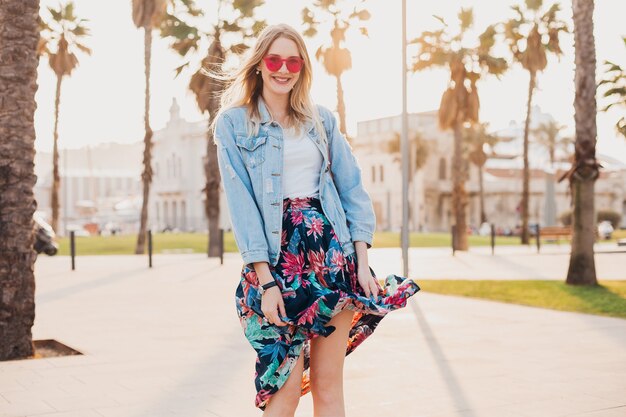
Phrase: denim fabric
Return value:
(251, 168)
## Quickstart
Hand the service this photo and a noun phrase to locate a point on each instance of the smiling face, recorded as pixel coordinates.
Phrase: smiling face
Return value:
(282, 81)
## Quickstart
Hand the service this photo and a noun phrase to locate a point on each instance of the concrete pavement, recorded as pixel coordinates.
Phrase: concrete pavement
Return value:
(167, 342)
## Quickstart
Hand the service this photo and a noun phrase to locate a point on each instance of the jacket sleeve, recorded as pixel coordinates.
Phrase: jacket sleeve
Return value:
(348, 179)
(245, 215)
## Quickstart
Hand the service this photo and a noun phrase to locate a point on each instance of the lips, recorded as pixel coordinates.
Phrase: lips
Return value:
(281, 80)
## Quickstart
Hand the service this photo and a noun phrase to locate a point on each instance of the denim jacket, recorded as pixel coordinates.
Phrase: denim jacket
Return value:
(251, 168)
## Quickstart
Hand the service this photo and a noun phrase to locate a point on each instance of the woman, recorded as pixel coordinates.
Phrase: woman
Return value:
(307, 296)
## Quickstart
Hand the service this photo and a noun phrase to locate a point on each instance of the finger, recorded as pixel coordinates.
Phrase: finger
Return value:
(278, 321)
(366, 290)
(281, 306)
(374, 288)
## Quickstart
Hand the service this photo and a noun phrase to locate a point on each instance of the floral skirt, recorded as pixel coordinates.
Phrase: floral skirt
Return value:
(317, 281)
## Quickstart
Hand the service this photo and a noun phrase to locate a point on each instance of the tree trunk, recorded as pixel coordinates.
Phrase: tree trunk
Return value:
(481, 190)
(56, 178)
(582, 270)
(526, 172)
(212, 193)
(341, 108)
(146, 176)
(18, 83)
(207, 93)
(459, 196)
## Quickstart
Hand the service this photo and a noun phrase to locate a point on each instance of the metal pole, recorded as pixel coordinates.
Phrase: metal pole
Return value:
(65, 184)
(72, 249)
(221, 246)
(405, 153)
(453, 239)
(150, 248)
(538, 237)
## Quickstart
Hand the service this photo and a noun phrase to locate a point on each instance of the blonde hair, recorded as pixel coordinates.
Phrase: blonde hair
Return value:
(244, 85)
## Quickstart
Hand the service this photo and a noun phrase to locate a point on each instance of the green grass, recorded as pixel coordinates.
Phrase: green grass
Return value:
(125, 244)
(197, 242)
(606, 299)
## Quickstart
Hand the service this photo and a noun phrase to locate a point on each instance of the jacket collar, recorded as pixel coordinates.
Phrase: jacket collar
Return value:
(266, 117)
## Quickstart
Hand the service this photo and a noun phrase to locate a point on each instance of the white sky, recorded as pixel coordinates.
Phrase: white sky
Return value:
(103, 100)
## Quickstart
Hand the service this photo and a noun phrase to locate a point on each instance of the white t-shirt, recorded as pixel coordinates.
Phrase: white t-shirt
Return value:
(302, 162)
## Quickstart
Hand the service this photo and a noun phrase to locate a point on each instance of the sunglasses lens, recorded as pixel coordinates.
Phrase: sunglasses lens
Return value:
(294, 64)
(273, 63)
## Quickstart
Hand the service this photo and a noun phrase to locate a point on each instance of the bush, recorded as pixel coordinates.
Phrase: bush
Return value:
(613, 216)
(566, 218)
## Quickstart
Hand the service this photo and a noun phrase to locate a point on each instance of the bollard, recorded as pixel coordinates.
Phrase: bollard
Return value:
(149, 248)
(493, 238)
(538, 237)
(72, 249)
(453, 239)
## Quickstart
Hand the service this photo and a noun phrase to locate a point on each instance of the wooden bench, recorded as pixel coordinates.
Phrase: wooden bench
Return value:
(555, 232)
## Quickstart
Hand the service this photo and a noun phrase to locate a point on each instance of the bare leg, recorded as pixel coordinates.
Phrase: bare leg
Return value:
(285, 401)
(327, 357)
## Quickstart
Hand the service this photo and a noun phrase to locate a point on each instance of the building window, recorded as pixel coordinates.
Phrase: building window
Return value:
(373, 173)
(442, 168)
(381, 174)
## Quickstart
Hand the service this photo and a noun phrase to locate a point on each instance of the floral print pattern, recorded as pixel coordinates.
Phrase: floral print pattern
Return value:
(317, 280)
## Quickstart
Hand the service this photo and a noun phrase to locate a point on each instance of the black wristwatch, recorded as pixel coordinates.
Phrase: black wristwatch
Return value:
(264, 287)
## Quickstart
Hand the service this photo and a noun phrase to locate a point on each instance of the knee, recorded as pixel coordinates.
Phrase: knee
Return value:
(283, 405)
(326, 385)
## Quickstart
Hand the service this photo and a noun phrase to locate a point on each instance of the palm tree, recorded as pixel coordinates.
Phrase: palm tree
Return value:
(459, 103)
(61, 40)
(419, 151)
(335, 58)
(475, 138)
(548, 134)
(531, 35)
(585, 169)
(18, 83)
(181, 25)
(615, 82)
(147, 15)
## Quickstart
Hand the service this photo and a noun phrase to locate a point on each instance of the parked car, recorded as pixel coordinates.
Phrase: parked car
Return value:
(605, 229)
(44, 237)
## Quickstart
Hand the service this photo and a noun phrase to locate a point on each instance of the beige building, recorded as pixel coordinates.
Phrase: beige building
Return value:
(430, 188)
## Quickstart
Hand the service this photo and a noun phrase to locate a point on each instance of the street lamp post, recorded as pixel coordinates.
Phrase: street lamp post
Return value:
(405, 154)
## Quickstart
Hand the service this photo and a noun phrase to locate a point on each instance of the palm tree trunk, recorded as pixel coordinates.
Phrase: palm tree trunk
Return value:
(526, 173)
(18, 84)
(582, 270)
(56, 178)
(146, 176)
(341, 107)
(459, 196)
(212, 192)
(481, 190)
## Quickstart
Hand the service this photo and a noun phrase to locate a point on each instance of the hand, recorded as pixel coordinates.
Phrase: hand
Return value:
(369, 284)
(271, 304)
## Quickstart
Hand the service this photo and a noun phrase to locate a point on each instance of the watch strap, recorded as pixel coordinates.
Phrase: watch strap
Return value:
(269, 285)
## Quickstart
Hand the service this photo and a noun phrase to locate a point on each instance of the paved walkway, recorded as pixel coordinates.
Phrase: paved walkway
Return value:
(167, 342)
